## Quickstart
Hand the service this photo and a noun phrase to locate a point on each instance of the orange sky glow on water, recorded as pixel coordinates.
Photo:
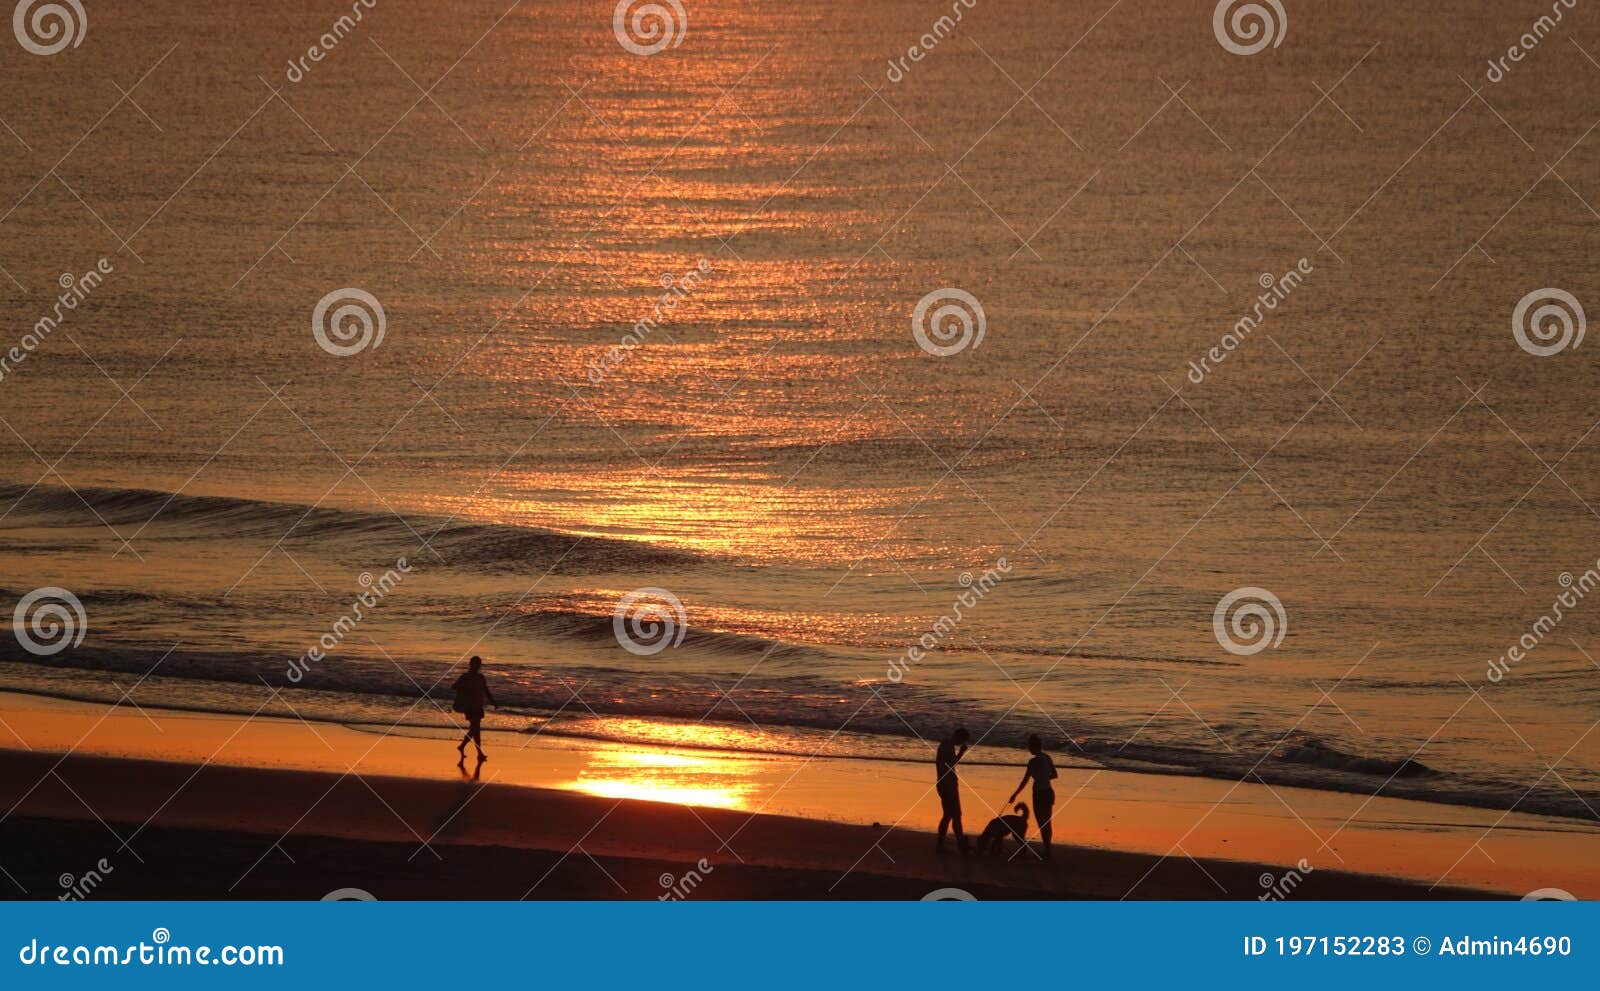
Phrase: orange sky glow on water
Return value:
(879, 383)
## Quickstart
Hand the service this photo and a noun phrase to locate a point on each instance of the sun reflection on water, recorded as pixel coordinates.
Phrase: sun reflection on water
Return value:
(657, 776)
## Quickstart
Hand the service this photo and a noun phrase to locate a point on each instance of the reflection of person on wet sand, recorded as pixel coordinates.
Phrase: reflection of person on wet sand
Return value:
(472, 690)
(949, 788)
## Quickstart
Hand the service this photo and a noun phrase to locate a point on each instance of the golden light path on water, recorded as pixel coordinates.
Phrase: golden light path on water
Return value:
(748, 517)
(776, 418)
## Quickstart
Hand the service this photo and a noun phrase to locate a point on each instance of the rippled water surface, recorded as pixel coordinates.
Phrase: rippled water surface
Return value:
(648, 321)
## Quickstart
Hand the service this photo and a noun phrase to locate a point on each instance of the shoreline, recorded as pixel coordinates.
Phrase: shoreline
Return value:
(1119, 834)
(1392, 780)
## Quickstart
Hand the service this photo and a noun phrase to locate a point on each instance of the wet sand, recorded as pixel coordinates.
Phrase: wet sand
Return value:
(217, 806)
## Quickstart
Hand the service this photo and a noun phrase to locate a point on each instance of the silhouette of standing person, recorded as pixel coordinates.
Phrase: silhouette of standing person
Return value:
(472, 690)
(1043, 771)
(949, 788)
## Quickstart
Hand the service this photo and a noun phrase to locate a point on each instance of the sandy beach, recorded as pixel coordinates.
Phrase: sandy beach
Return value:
(237, 833)
(218, 806)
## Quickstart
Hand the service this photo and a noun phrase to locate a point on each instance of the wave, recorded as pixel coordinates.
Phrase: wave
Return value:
(792, 714)
(1311, 752)
(360, 537)
(587, 627)
(461, 544)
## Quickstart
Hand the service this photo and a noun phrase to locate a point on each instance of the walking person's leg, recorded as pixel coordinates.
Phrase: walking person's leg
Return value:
(950, 812)
(1045, 810)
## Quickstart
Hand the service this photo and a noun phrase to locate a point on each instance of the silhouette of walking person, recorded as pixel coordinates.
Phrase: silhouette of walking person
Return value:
(949, 788)
(472, 690)
(1043, 771)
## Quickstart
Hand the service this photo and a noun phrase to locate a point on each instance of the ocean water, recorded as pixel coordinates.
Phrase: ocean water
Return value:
(648, 322)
